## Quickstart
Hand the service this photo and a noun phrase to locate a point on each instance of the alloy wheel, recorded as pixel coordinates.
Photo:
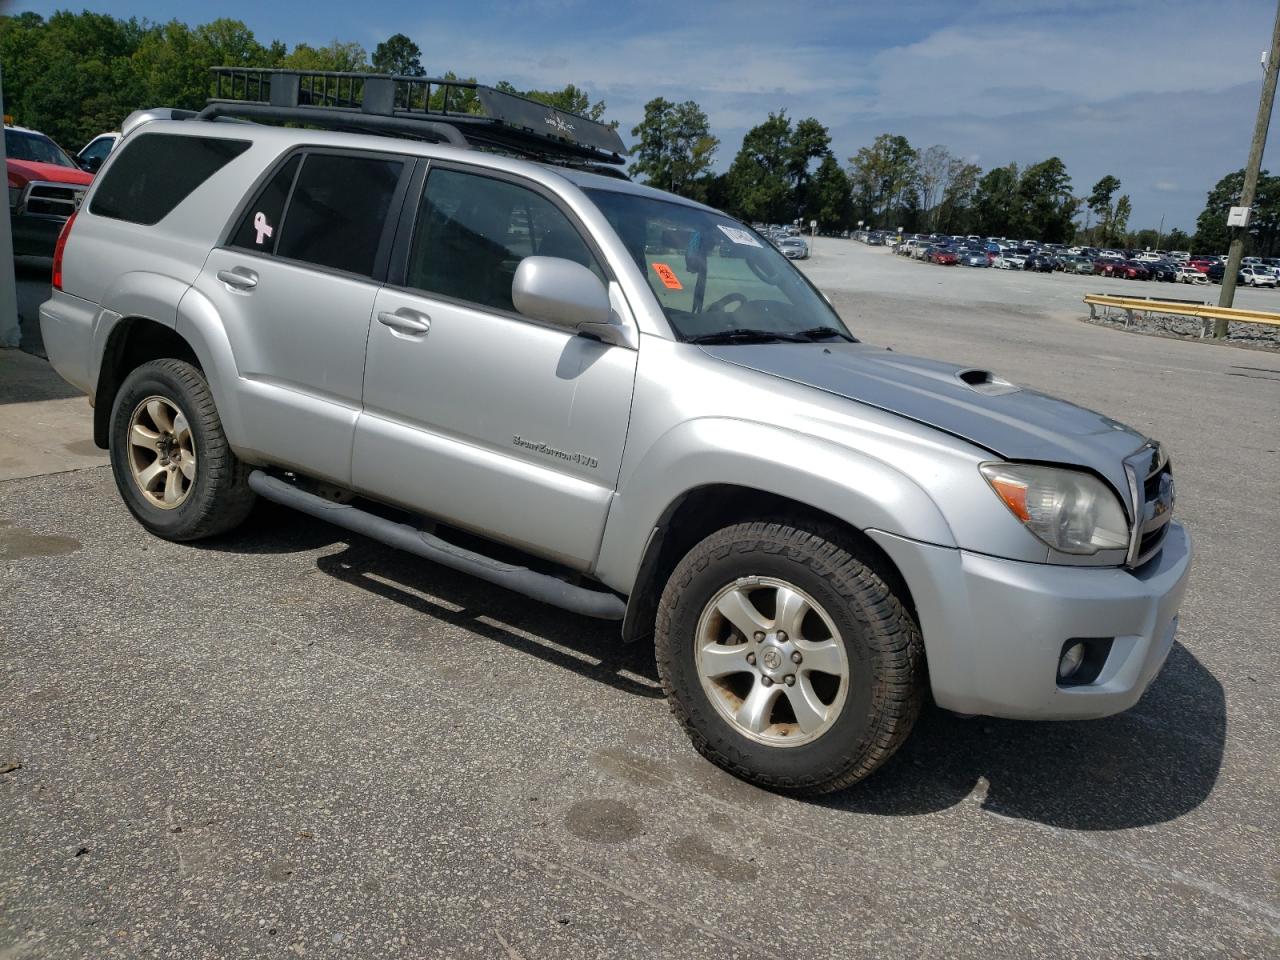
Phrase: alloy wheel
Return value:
(771, 661)
(162, 453)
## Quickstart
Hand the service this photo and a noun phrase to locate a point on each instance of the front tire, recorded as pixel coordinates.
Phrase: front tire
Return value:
(788, 658)
(171, 460)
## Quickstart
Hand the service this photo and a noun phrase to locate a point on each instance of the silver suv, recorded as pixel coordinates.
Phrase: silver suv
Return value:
(636, 392)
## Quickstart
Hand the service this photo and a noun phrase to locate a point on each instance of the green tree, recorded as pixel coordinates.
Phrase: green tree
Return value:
(1176, 239)
(1212, 234)
(883, 174)
(955, 212)
(70, 76)
(570, 99)
(1048, 206)
(830, 196)
(1120, 219)
(1143, 240)
(399, 55)
(932, 170)
(335, 56)
(759, 184)
(997, 209)
(809, 141)
(675, 147)
(1100, 205)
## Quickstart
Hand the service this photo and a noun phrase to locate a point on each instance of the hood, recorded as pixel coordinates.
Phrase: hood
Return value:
(1013, 422)
(22, 171)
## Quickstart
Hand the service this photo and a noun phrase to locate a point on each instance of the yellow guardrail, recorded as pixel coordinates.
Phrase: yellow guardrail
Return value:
(1206, 313)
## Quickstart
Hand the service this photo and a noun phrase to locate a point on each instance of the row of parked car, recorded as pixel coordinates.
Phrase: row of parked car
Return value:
(996, 252)
(786, 238)
(46, 184)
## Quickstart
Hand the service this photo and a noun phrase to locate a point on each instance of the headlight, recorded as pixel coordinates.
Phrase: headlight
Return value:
(1071, 511)
(15, 194)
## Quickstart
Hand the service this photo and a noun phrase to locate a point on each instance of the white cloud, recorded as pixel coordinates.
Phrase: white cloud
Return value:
(1160, 96)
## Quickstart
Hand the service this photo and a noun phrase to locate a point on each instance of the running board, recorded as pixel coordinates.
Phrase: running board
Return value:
(530, 583)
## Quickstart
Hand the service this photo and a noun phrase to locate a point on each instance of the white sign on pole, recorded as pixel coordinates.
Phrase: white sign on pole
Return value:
(1238, 217)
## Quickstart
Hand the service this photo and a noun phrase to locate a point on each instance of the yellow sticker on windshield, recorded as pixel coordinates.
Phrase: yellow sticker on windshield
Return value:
(667, 276)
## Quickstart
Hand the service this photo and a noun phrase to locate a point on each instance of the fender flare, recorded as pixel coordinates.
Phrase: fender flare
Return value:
(857, 489)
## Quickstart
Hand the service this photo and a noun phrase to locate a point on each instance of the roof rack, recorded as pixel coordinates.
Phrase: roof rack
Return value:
(426, 108)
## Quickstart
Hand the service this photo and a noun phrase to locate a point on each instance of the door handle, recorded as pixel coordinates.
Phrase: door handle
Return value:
(405, 321)
(239, 277)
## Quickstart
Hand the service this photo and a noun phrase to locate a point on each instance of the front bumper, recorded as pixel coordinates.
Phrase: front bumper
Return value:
(994, 629)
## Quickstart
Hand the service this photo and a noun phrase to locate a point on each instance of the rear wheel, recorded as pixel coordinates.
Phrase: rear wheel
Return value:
(787, 658)
(171, 461)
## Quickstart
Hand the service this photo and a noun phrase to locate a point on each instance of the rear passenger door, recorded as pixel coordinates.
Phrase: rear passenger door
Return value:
(294, 284)
(476, 414)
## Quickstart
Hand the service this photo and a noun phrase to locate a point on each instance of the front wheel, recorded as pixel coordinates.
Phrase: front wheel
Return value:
(171, 461)
(788, 658)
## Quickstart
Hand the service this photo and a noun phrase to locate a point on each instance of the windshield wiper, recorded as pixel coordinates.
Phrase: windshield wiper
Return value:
(824, 333)
(746, 335)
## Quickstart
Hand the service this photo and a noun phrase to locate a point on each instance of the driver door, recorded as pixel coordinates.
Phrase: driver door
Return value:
(473, 413)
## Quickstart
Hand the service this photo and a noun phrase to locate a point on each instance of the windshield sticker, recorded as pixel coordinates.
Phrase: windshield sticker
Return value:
(260, 224)
(739, 236)
(667, 276)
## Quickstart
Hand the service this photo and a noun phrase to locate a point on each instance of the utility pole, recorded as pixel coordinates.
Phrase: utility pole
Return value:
(10, 331)
(1251, 171)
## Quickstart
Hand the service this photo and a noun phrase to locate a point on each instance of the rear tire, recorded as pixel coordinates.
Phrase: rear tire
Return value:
(171, 460)
(830, 680)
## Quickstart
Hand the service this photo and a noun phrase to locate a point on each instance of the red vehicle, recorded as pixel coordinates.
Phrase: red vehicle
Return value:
(45, 188)
(1131, 270)
(1106, 268)
(942, 257)
(1201, 265)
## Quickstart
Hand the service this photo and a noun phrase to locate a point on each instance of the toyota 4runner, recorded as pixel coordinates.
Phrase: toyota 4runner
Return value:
(416, 317)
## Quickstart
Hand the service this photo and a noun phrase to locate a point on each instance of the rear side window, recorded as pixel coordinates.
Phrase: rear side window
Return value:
(260, 226)
(473, 231)
(338, 209)
(157, 171)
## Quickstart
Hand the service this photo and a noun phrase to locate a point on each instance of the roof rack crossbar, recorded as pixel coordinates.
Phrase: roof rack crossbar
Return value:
(423, 107)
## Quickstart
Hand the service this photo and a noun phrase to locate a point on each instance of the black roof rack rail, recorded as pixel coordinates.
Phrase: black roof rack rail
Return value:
(418, 107)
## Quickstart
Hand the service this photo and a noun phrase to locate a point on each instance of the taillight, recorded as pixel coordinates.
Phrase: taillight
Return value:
(59, 248)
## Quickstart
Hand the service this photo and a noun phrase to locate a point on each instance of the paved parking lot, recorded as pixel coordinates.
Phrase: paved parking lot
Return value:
(292, 742)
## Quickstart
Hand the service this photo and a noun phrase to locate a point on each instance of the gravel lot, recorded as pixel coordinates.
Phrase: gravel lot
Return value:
(291, 742)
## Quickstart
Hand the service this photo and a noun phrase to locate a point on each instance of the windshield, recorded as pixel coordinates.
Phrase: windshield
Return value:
(715, 277)
(35, 147)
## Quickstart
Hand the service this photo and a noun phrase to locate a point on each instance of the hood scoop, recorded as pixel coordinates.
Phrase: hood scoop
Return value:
(986, 382)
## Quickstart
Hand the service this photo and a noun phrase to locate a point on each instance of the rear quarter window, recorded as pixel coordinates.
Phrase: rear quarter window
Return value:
(157, 171)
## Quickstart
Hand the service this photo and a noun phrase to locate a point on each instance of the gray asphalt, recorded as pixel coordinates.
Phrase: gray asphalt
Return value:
(289, 742)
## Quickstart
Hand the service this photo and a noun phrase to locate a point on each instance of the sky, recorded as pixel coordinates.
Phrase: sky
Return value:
(1161, 93)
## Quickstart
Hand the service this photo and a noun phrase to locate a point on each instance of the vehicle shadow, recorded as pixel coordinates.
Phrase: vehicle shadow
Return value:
(588, 647)
(1149, 765)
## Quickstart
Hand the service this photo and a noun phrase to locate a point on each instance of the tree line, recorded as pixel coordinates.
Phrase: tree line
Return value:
(786, 171)
(74, 75)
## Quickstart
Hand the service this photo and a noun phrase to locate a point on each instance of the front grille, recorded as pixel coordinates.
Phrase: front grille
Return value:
(1151, 484)
(52, 199)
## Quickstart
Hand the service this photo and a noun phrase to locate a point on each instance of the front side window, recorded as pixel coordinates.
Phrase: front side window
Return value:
(338, 211)
(472, 232)
(715, 277)
(35, 148)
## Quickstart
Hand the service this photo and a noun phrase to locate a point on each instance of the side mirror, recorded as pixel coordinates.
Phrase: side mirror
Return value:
(566, 294)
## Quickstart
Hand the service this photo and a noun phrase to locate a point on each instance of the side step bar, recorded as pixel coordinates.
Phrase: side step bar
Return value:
(538, 586)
